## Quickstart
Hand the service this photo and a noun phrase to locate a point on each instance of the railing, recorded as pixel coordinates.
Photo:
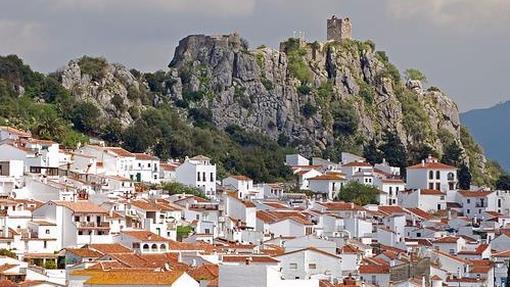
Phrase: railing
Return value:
(93, 225)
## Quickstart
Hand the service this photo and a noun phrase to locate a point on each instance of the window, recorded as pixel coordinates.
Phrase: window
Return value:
(207, 231)
(203, 176)
(468, 211)
(374, 281)
(452, 251)
(438, 186)
(431, 175)
(312, 266)
(88, 218)
(212, 176)
(162, 247)
(438, 175)
(431, 185)
(468, 201)
(45, 244)
(76, 218)
(149, 164)
(198, 176)
(293, 266)
(418, 234)
(47, 231)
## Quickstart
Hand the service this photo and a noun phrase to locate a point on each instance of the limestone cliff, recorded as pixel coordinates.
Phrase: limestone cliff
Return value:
(320, 97)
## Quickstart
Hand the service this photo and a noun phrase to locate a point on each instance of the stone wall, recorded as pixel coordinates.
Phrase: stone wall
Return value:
(339, 29)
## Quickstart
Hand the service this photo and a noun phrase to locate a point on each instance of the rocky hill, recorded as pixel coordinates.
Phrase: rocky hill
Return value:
(318, 98)
(489, 128)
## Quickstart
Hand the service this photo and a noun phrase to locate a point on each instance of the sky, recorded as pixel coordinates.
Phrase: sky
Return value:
(461, 45)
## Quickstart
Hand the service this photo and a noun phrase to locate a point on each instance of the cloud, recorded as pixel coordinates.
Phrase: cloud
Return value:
(216, 8)
(460, 15)
(20, 36)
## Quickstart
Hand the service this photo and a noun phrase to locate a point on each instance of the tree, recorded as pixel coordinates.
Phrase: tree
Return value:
(464, 176)
(415, 75)
(138, 137)
(418, 152)
(50, 264)
(179, 188)
(452, 154)
(358, 193)
(503, 183)
(8, 253)
(85, 117)
(372, 153)
(112, 132)
(394, 150)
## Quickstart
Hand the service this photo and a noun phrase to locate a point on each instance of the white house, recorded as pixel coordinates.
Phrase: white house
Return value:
(296, 160)
(198, 172)
(77, 223)
(327, 184)
(430, 200)
(241, 183)
(146, 168)
(475, 203)
(307, 262)
(431, 174)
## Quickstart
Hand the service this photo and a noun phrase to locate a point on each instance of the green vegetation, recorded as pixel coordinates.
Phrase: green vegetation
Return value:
(183, 231)
(345, 119)
(415, 75)
(44, 106)
(50, 264)
(309, 110)
(367, 92)
(358, 193)
(296, 62)
(8, 253)
(94, 67)
(85, 117)
(503, 182)
(416, 121)
(178, 188)
(390, 70)
(267, 83)
(304, 89)
(464, 177)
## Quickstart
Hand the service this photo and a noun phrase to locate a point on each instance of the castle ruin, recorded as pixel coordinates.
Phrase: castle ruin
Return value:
(339, 29)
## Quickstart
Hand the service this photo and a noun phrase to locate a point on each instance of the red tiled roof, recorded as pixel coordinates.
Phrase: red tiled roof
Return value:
(145, 156)
(469, 193)
(251, 258)
(327, 177)
(240, 177)
(81, 206)
(374, 269)
(419, 212)
(431, 165)
(431, 192)
(446, 239)
(144, 235)
(357, 163)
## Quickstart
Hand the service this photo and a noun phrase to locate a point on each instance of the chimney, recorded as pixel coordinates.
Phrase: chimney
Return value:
(5, 228)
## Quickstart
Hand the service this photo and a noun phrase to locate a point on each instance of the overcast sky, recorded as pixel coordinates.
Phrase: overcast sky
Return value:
(461, 45)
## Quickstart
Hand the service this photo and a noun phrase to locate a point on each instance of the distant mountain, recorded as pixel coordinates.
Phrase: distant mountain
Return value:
(490, 129)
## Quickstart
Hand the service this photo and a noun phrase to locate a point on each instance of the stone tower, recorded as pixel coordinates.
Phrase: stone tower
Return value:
(339, 29)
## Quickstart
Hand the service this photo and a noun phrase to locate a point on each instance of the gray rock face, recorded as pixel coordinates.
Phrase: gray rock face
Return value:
(255, 90)
(259, 91)
(110, 93)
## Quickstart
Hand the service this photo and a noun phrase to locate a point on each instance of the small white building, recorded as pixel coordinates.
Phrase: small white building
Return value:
(431, 174)
(198, 172)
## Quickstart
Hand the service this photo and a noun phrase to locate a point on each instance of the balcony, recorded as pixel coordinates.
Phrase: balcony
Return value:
(93, 225)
